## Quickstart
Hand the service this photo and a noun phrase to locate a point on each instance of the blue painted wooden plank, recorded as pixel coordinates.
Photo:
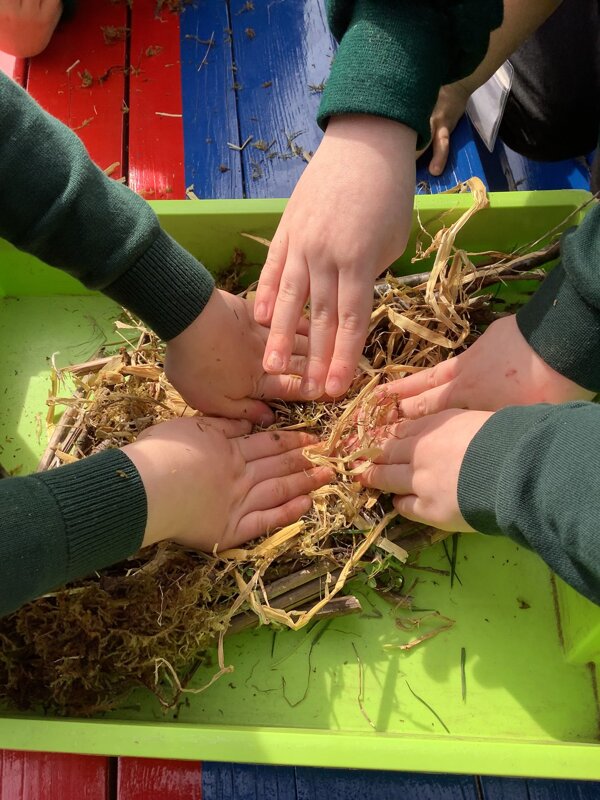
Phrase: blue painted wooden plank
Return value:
(528, 174)
(251, 782)
(209, 104)
(316, 784)
(247, 782)
(524, 174)
(281, 50)
(463, 162)
(534, 789)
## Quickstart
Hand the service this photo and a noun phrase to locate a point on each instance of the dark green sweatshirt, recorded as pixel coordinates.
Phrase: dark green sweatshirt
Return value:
(65, 523)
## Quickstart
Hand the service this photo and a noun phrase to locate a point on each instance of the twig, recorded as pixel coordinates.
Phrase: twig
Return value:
(463, 674)
(426, 704)
(361, 688)
(166, 114)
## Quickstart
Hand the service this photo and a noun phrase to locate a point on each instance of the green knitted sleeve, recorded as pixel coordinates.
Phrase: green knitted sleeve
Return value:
(63, 524)
(63, 209)
(561, 322)
(533, 473)
(394, 56)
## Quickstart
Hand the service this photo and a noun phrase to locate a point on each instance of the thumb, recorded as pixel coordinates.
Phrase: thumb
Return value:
(255, 411)
(441, 149)
(430, 402)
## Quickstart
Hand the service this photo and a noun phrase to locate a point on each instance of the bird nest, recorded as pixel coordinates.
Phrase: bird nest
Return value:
(153, 619)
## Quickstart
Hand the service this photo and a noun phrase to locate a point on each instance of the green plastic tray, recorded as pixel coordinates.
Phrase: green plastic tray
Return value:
(531, 698)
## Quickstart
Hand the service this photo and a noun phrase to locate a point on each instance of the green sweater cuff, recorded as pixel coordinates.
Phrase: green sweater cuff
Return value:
(531, 473)
(481, 473)
(61, 525)
(564, 330)
(390, 63)
(393, 57)
(102, 503)
(167, 287)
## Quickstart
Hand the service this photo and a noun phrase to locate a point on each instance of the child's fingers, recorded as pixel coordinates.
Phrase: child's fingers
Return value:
(270, 277)
(277, 466)
(270, 443)
(256, 523)
(396, 449)
(410, 506)
(291, 297)
(302, 329)
(278, 491)
(281, 387)
(420, 382)
(254, 410)
(323, 327)
(394, 479)
(355, 303)
(441, 149)
(427, 403)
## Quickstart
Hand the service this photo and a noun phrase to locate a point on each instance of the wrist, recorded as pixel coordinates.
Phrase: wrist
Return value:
(367, 129)
(153, 481)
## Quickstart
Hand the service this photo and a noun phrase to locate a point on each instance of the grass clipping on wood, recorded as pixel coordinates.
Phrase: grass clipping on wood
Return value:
(154, 619)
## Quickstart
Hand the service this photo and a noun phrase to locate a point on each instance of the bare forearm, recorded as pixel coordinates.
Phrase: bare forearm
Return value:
(521, 19)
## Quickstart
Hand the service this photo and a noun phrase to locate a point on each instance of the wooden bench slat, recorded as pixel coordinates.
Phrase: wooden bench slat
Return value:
(210, 119)
(283, 53)
(94, 112)
(153, 779)
(52, 776)
(155, 110)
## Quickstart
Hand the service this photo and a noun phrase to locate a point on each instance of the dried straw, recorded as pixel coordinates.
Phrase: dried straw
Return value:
(152, 619)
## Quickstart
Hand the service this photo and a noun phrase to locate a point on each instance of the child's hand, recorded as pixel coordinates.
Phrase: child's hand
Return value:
(500, 369)
(208, 482)
(420, 464)
(347, 220)
(26, 26)
(216, 362)
(451, 104)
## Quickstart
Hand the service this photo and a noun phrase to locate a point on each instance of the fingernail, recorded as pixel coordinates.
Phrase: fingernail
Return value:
(309, 388)
(334, 387)
(275, 361)
(266, 420)
(261, 311)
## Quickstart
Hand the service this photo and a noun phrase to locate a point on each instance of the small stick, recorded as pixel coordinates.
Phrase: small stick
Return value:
(463, 674)
(337, 607)
(426, 704)
(361, 688)
(302, 576)
(518, 264)
(67, 420)
(166, 114)
(290, 600)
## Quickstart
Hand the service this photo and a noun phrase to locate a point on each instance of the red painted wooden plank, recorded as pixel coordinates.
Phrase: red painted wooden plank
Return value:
(154, 779)
(79, 55)
(155, 122)
(15, 68)
(33, 776)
